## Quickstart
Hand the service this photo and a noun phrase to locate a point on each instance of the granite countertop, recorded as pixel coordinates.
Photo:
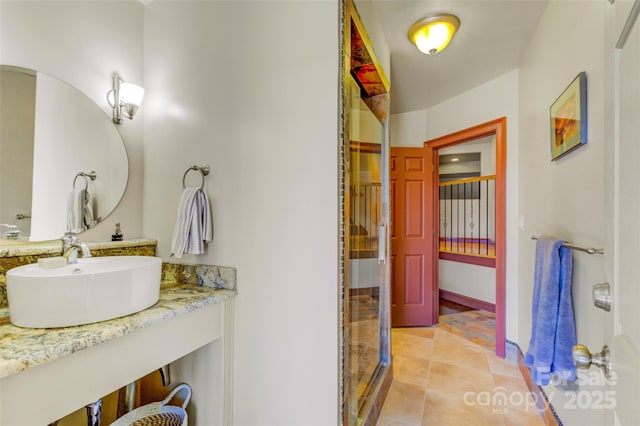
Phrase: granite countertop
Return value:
(9, 248)
(23, 348)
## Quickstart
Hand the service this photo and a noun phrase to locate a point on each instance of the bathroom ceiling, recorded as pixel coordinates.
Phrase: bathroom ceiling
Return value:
(492, 36)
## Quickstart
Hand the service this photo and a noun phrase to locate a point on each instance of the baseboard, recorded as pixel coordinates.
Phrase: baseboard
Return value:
(548, 414)
(467, 301)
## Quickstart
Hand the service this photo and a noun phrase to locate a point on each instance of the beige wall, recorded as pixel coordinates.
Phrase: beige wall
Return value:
(232, 84)
(565, 197)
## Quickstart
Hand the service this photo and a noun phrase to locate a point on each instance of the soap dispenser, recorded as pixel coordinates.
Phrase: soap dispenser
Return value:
(117, 234)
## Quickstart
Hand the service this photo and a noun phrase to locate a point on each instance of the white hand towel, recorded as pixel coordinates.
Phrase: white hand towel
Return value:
(193, 225)
(183, 223)
(207, 219)
(201, 229)
(88, 212)
(75, 210)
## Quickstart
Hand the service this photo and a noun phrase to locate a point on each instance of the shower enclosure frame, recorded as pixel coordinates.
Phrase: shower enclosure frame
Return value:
(358, 62)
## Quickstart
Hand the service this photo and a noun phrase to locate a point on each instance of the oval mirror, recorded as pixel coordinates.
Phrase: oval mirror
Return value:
(52, 137)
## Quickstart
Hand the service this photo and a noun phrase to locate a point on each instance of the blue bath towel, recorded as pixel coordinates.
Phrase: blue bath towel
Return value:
(553, 332)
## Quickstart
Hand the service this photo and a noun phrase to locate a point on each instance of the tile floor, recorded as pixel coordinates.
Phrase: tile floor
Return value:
(442, 379)
(475, 325)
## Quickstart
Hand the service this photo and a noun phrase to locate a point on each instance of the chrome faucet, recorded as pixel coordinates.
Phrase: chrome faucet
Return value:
(70, 245)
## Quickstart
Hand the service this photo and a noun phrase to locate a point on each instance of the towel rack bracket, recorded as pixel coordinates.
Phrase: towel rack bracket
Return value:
(204, 171)
(91, 175)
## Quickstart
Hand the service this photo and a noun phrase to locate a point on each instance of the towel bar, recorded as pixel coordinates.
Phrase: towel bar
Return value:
(204, 171)
(589, 250)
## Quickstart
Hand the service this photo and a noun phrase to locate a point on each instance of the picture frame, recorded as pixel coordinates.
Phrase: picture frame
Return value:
(568, 115)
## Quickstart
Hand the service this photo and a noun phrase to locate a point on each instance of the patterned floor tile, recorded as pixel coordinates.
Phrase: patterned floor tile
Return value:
(466, 384)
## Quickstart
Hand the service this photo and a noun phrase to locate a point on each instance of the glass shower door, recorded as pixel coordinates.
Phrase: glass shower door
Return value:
(365, 218)
(365, 272)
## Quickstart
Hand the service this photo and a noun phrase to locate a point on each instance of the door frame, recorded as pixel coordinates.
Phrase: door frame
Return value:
(619, 254)
(497, 127)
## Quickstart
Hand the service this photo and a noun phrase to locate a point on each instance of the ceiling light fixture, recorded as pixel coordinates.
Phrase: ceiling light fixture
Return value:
(433, 33)
(455, 159)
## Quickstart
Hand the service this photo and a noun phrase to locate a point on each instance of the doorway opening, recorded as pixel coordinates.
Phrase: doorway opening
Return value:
(466, 237)
(497, 130)
(416, 245)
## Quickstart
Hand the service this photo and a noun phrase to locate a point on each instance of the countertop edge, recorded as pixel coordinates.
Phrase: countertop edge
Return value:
(17, 352)
(9, 248)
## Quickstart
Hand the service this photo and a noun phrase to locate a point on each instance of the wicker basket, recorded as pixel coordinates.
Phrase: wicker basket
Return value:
(159, 413)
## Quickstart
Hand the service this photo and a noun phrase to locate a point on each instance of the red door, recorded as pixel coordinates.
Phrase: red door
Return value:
(413, 298)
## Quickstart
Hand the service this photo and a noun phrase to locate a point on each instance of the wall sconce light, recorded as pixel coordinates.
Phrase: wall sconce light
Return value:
(124, 99)
(433, 33)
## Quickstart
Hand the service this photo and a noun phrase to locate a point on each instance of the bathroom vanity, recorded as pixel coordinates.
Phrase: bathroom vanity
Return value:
(47, 373)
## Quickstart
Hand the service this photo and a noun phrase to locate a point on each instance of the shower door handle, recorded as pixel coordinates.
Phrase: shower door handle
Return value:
(382, 243)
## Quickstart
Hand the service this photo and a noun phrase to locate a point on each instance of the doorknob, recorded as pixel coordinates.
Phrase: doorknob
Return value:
(582, 358)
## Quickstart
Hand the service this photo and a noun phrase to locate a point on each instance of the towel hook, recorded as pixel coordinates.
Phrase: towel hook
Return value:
(91, 175)
(204, 171)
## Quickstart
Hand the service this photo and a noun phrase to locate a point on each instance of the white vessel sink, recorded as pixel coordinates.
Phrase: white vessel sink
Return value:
(92, 290)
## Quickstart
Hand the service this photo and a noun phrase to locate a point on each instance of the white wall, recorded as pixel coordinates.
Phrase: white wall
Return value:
(408, 128)
(231, 84)
(83, 43)
(564, 197)
(478, 282)
(494, 99)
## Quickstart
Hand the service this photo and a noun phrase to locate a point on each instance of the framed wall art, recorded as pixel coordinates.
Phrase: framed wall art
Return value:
(569, 118)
